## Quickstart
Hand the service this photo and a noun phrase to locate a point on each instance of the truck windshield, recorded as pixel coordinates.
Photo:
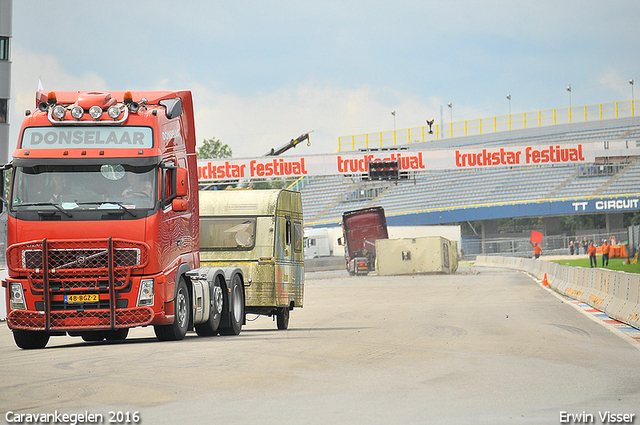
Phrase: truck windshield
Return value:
(106, 186)
(227, 232)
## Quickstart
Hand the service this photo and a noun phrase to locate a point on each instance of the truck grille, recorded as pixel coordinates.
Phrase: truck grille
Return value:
(63, 268)
(77, 265)
(81, 258)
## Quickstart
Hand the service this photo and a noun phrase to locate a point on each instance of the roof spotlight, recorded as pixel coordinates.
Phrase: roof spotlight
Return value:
(95, 112)
(77, 112)
(113, 112)
(59, 112)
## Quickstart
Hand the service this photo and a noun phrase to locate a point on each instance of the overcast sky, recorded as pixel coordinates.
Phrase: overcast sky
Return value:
(264, 72)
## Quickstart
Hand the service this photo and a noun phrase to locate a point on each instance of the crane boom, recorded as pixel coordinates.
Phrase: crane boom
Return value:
(292, 144)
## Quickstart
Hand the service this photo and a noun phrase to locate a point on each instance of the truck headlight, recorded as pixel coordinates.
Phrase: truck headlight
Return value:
(16, 296)
(146, 293)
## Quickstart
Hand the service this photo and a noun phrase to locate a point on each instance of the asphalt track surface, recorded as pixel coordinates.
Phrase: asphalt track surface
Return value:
(483, 346)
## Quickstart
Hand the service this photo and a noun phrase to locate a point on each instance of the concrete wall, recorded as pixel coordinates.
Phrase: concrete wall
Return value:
(615, 293)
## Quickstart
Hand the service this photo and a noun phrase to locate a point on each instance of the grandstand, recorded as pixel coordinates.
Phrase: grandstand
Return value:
(441, 197)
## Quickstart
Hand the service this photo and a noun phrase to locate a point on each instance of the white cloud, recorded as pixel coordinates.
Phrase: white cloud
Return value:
(26, 69)
(251, 126)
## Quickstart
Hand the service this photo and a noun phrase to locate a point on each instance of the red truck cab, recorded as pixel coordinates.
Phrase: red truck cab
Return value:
(102, 216)
(361, 228)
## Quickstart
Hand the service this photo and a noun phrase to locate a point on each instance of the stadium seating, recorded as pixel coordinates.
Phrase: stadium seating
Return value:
(326, 198)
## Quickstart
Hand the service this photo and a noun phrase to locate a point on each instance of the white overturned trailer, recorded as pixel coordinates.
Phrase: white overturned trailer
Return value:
(431, 254)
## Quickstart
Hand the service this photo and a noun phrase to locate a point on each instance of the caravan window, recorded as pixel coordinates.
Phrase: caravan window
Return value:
(227, 233)
(297, 236)
(288, 233)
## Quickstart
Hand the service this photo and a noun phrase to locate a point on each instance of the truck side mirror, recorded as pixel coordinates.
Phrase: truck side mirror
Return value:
(182, 182)
(179, 205)
(340, 242)
(174, 107)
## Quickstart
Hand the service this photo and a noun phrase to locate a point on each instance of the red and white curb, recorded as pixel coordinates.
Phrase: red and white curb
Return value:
(624, 331)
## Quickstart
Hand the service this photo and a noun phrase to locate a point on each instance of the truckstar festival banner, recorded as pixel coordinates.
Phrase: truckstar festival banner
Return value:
(408, 160)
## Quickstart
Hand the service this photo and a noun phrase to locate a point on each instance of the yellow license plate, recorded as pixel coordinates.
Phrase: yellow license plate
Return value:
(81, 298)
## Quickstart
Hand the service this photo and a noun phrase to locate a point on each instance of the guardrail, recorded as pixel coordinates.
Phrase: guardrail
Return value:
(615, 293)
(495, 124)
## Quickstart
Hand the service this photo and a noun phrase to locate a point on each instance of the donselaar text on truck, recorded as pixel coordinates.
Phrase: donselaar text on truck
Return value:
(103, 223)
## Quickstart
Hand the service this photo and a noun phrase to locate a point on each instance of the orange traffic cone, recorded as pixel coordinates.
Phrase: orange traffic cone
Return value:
(545, 282)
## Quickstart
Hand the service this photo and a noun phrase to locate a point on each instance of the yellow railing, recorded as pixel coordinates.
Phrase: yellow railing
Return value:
(488, 125)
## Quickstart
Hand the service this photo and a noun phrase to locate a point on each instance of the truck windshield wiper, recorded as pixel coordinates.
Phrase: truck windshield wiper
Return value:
(43, 204)
(109, 202)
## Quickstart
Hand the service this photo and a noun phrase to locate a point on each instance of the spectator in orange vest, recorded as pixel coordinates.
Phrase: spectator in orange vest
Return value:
(537, 250)
(605, 252)
(592, 255)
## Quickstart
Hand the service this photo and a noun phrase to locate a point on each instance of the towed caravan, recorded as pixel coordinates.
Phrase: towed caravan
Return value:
(259, 232)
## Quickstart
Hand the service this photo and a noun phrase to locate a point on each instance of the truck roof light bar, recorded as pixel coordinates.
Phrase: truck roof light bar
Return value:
(95, 102)
(57, 114)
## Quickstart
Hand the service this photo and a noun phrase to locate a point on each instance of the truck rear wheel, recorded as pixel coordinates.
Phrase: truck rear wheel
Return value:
(235, 307)
(210, 327)
(30, 339)
(181, 310)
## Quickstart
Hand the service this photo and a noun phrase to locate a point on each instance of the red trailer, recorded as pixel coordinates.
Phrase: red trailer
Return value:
(361, 228)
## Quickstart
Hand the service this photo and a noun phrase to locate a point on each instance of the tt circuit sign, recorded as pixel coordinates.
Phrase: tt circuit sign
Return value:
(551, 207)
(606, 205)
(408, 160)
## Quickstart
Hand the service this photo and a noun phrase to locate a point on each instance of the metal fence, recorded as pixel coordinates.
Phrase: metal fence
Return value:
(551, 245)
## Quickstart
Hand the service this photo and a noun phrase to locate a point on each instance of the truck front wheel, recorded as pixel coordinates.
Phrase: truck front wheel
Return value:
(116, 335)
(181, 309)
(30, 339)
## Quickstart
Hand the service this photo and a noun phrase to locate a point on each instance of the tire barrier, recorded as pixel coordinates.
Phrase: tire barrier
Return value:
(615, 293)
